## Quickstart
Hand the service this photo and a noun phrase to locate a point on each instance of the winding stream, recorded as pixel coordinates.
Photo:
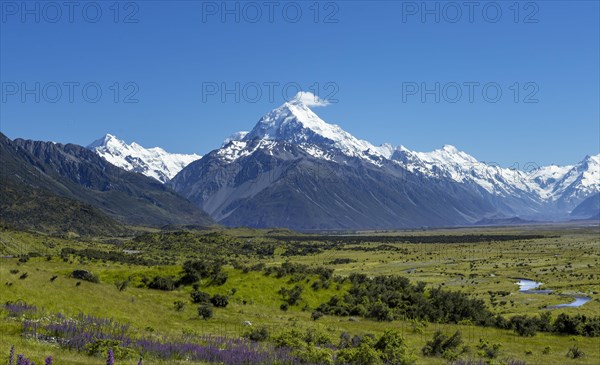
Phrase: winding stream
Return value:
(529, 287)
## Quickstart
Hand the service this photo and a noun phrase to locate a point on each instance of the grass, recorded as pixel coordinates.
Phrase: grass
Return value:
(567, 264)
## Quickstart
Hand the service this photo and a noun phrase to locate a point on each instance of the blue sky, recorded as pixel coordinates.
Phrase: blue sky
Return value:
(375, 58)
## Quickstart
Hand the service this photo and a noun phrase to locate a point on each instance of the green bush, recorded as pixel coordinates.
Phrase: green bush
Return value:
(524, 326)
(442, 345)
(314, 355)
(162, 283)
(393, 349)
(85, 275)
(575, 353)
(363, 354)
(489, 350)
(200, 297)
(101, 347)
(205, 311)
(258, 334)
(179, 305)
(219, 301)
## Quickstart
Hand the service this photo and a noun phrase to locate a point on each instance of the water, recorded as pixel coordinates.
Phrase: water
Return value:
(529, 287)
(578, 302)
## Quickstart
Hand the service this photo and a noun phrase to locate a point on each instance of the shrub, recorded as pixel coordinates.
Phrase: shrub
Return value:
(205, 311)
(162, 283)
(85, 275)
(575, 353)
(220, 278)
(200, 297)
(442, 345)
(203, 269)
(316, 315)
(393, 349)
(219, 301)
(489, 350)
(122, 285)
(524, 326)
(314, 355)
(102, 347)
(179, 305)
(258, 334)
(363, 354)
(291, 296)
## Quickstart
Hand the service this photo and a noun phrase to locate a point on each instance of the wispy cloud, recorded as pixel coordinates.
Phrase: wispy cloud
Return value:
(310, 99)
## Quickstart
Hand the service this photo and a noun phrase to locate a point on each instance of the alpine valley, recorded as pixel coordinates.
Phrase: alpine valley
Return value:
(296, 171)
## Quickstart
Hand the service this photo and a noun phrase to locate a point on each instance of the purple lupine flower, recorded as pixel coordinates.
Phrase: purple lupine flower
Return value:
(20, 359)
(11, 355)
(48, 360)
(111, 357)
(140, 362)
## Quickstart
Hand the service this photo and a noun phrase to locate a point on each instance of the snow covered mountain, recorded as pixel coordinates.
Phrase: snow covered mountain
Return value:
(295, 123)
(153, 162)
(295, 170)
(560, 187)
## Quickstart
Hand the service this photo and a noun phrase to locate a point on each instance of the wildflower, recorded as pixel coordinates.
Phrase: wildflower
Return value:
(49, 360)
(11, 355)
(140, 362)
(111, 357)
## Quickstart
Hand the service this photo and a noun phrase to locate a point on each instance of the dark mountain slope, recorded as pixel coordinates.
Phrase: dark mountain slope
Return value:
(73, 172)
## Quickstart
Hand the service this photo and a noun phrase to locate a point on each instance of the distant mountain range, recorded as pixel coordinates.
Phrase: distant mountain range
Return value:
(68, 188)
(291, 170)
(152, 162)
(295, 170)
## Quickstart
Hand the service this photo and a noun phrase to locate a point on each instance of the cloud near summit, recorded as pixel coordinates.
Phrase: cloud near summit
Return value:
(309, 99)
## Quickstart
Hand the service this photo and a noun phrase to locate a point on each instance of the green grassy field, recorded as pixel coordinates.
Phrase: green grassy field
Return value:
(566, 260)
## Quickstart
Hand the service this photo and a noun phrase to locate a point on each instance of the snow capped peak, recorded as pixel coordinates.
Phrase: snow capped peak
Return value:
(237, 136)
(105, 140)
(295, 122)
(450, 148)
(448, 155)
(153, 162)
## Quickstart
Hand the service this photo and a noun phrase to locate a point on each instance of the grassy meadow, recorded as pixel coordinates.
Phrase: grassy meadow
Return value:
(36, 269)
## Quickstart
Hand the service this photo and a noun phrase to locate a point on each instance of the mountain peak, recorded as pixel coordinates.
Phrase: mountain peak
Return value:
(153, 162)
(450, 148)
(296, 123)
(103, 141)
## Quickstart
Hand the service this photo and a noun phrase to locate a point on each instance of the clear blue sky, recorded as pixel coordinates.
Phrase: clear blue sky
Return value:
(370, 51)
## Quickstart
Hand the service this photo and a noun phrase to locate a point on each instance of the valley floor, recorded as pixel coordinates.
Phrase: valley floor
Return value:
(36, 269)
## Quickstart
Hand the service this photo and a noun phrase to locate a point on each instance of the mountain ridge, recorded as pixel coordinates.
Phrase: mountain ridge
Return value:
(69, 174)
(253, 172)
(153, 162)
